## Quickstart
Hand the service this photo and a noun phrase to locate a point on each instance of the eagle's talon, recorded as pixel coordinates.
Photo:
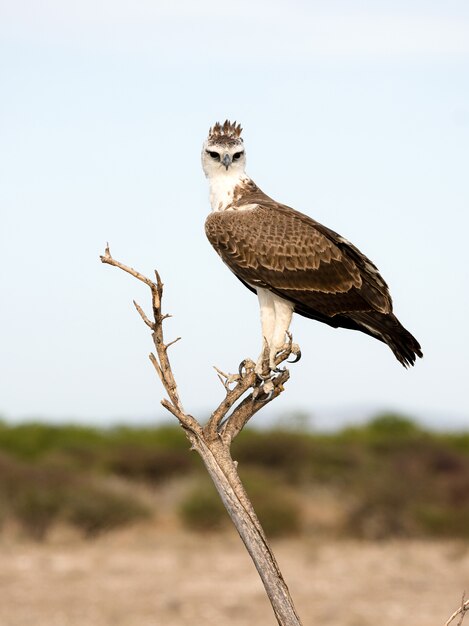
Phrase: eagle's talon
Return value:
(263, 370)
(296, 351)
(267, 388)
(288, 347)
(247, 365)
(257, 391)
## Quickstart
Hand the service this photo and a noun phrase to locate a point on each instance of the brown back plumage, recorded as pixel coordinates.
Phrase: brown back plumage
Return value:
(275, 247)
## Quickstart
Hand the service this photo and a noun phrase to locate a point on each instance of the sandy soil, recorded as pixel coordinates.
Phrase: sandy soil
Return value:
(149, 578)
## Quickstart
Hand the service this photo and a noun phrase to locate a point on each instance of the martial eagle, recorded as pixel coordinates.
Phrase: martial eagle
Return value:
(292, 262)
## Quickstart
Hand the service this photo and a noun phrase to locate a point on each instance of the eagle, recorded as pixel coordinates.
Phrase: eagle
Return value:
(293, 263)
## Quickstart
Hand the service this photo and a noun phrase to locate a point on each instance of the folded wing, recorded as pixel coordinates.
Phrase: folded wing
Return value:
(326, 278)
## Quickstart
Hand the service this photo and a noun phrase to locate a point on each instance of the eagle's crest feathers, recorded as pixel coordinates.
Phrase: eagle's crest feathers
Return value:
(225, 133)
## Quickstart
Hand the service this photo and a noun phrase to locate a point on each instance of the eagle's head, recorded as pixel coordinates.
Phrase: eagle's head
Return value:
(223, 150)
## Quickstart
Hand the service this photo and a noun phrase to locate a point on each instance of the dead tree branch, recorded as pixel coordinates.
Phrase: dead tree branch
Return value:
(212, 441)
(461, 612)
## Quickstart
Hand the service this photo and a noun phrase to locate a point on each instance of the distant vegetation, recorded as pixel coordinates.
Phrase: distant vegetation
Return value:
(389, 478)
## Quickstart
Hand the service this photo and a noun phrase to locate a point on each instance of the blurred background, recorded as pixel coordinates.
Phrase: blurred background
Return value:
(356, 113)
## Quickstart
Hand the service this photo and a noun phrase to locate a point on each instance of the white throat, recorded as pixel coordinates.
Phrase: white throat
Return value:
(222, 187)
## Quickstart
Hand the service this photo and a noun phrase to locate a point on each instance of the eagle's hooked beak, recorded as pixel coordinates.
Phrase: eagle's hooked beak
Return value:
(226, 160)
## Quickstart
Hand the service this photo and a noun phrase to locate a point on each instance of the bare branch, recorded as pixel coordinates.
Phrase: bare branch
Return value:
(220, 378)
(156, 365)
(143, 316)
(107, 258)
(232, 396)
(171, 343)
(249, 407)
(463, 609)
(213, 441)
(172, 409)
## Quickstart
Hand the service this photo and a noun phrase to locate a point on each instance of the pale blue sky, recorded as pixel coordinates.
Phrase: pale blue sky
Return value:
(356, 113)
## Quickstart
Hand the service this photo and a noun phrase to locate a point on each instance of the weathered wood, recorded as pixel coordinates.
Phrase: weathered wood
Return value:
(213, 441)
(224, 475)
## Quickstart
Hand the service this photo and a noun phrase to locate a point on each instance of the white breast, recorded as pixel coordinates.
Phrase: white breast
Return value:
(222, 189)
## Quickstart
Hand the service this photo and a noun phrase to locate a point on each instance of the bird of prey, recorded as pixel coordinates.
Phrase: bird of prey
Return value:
(292, 262)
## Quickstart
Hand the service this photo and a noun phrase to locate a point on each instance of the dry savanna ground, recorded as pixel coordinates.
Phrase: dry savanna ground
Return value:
(122, 527)
(149, 576)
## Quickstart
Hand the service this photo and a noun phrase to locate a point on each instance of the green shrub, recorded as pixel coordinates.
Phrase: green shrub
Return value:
(278, 511)
(38, 495)
(95, 509)
(392, 478)
(34, 440)
(384, 432)
(438, 521)
(332, 462)
(37, 510)
(151, 464)
(380, 509)
(34, 495)
(411, 491)
(281, 451)
(201, 508)
(392, 426)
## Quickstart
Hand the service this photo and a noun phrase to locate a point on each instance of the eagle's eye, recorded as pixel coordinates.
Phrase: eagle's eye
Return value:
(214, 155)
(237, 155)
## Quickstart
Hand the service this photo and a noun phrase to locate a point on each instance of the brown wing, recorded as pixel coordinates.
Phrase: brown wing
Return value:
(278, 248)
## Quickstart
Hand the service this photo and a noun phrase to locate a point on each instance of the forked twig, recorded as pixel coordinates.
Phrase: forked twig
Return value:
(248, 395)
(463, 609)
